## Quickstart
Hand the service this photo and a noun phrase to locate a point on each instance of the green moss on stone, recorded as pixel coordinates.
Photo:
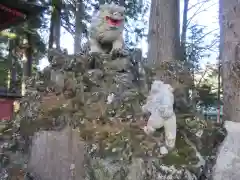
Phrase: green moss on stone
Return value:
(183, 154)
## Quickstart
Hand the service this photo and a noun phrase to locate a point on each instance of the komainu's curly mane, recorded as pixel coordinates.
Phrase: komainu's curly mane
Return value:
(107, 28)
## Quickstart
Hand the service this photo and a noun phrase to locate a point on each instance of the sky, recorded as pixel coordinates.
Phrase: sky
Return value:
(208, 17)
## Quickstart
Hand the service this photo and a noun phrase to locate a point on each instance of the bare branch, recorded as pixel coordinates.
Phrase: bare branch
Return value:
(198, 11)
(193, 6)
(68, 29)
(206, 35)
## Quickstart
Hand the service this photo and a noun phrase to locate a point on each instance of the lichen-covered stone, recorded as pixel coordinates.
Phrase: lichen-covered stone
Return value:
(117, 147)
(57, 155)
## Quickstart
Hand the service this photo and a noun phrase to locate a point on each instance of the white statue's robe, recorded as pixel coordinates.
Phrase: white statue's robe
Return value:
(160, 104)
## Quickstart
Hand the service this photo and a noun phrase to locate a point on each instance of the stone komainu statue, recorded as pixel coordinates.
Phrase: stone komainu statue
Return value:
(106, 29)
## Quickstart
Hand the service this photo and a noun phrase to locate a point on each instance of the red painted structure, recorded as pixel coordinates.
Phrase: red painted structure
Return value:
(12, 13)
(7, 103)
(10, 16)
(15, 12)
(6, 109)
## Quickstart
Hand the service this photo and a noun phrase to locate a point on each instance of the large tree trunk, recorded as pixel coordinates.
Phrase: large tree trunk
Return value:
(188, 70)
(29, 55)
(230, 57)
(184, 27)
(55, 26)
(13, 59)
(164, 37)
(78, 26)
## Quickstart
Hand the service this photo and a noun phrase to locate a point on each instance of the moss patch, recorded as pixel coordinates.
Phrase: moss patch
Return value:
(123, 139)
(52, 107)
(183, 154)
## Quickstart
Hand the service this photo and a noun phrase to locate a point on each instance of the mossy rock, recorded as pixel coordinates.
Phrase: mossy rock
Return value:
(127, 139)
(4, 126)
(183, 154)
(124, 139)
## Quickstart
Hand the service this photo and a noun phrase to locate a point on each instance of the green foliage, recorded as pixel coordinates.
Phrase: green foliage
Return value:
(3, 72)
(206, 98)
(4, 63)
(136, 22)
(196, 51)
(195, 47)
(12, 40)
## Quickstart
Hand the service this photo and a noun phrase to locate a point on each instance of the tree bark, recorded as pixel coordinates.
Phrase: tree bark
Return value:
(78, 26)
(164, 40)
(55, 26)
(122, 2)
(29, 55)
(184, 26)
(188, 71)
(13, 59)
(230, 56)
(101, 2)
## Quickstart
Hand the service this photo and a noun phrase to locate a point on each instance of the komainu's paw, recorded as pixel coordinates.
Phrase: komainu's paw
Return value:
(124, 52)
(163, 150)
(94, 54)
(144, 108)
(114, 52)
(119, 53)
(95, 49)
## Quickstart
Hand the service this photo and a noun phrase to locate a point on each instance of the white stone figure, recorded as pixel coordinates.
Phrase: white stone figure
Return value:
(57, 77)
(110, 98)
(227, 166)
(160, 104)
(163, 150)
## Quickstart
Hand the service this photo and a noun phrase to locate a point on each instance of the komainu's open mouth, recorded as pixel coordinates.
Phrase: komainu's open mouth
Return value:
(113, 22)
